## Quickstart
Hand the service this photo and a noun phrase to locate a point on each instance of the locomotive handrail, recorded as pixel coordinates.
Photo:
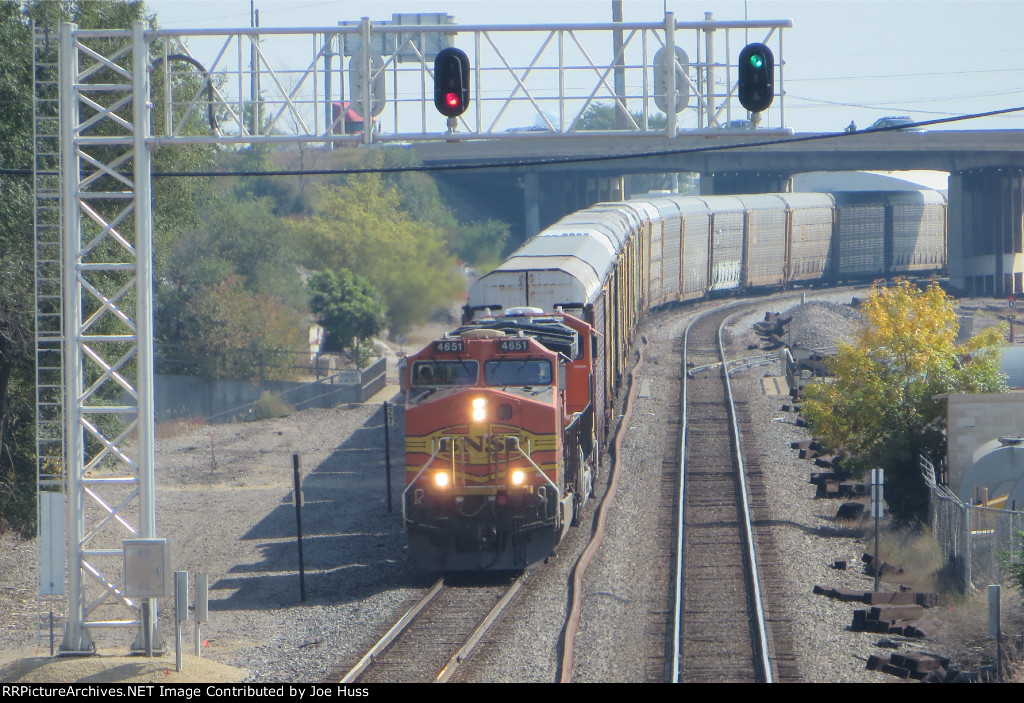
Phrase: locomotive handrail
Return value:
(417, 478)
(526, 456)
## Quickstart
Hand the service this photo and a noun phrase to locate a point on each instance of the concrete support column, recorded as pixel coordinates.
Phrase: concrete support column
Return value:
(745, 182)
(985, 237)
(531, 202)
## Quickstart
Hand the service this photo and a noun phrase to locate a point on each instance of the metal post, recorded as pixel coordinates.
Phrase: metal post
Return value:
(877, 494)
(876, 564)
(328, 111)
(202, 609)
(995, 630)
(621, 113)
(298, 521)
(670, 46)
(709, 61)
(367, 82)
(144, 292)
(387, 450)
(180, 612)
(254, 85)
(76, 636)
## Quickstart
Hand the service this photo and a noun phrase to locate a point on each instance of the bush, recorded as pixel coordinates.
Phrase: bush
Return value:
(270, 406)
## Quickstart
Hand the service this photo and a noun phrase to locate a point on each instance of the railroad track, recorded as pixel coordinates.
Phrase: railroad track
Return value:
(722, 629)
(436, 635)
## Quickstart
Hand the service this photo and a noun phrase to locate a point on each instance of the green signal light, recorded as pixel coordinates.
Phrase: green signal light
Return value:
(757, 61)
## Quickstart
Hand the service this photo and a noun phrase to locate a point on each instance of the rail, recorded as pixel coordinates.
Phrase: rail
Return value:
(748, 539)
(762, 633)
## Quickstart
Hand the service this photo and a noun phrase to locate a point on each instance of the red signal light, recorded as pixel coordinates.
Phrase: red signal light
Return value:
(451, 82)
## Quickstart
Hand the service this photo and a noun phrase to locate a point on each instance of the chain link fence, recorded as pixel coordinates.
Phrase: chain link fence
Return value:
(976, 541)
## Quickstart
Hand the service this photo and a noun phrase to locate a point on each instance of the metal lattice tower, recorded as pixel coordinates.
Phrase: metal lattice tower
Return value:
(107, 303)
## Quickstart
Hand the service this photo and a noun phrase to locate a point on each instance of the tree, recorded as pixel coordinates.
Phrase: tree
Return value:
(883, 408)
(361, 226)
(481, 244)
(17, 439)
(242, 247)
(237, 334)
(347, 306)
(601, 116)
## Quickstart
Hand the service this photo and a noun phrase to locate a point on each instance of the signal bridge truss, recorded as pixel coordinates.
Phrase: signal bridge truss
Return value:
(105, 100)
(524, 78)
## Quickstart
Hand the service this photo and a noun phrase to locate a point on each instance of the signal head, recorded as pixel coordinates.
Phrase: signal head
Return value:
(756, 84)
(451, 82)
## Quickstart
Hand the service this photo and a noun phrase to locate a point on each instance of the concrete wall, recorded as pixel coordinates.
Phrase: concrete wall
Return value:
(974, 419)
(231, 401)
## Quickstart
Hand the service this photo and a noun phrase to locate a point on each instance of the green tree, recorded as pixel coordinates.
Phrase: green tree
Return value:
(601, 116)
(883, 408)
(17, 400)
(238, 334)
(284, 192)
(17, 438)
(240, 241)
(481, 244)
(362, 227)
(347, 306)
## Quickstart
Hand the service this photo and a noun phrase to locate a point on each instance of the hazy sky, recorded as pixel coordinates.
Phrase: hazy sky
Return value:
(854, 60)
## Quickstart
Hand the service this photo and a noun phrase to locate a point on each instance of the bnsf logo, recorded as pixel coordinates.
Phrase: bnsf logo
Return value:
(480, 444)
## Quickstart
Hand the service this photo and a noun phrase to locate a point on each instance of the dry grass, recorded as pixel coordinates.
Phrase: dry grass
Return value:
(916, 551)
(173, 428)
(964, 636)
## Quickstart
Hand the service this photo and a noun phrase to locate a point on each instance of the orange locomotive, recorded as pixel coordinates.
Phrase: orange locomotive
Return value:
(500, 445)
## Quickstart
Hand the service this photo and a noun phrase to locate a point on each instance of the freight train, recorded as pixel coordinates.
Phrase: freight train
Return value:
(506, 415)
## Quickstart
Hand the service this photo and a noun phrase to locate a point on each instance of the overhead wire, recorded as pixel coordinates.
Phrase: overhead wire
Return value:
(557, 161)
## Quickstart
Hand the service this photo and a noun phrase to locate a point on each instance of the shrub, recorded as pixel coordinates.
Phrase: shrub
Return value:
(270, 406)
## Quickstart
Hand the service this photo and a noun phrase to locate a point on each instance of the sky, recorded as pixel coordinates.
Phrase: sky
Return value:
(857, 60)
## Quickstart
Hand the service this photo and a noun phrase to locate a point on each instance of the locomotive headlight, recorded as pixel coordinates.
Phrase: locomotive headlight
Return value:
(441, 479)
(518, 477)
(479, 409)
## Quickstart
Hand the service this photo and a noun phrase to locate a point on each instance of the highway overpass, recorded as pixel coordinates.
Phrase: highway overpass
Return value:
(557, 173)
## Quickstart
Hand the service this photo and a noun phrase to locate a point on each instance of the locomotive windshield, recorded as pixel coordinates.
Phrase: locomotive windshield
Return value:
(444, 373)
(518, 372)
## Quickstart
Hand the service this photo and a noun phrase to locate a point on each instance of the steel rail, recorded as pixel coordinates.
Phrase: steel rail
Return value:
(488, 620)
(677, 615)
(762, 630)
(677, 612)
(392, 634)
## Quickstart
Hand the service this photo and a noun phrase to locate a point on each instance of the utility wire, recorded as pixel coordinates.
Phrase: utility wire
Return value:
(463, 166)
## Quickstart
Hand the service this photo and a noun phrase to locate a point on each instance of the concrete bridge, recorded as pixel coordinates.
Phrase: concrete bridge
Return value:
(557, 173)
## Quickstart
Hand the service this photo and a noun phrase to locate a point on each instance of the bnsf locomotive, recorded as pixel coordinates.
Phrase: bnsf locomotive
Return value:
(505, 416)
(500, 444)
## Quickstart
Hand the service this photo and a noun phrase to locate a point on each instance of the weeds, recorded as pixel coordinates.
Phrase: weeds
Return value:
(270, 406)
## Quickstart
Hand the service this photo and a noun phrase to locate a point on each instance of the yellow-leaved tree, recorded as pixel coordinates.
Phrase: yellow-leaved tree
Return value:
(882, 408)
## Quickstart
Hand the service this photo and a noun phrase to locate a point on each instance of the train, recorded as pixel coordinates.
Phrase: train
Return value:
(506, 416)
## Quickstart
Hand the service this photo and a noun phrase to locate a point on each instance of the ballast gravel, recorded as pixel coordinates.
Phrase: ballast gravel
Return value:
(225, 502)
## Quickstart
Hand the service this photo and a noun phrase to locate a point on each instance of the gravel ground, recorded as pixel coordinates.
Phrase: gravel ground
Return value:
(225, 502)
